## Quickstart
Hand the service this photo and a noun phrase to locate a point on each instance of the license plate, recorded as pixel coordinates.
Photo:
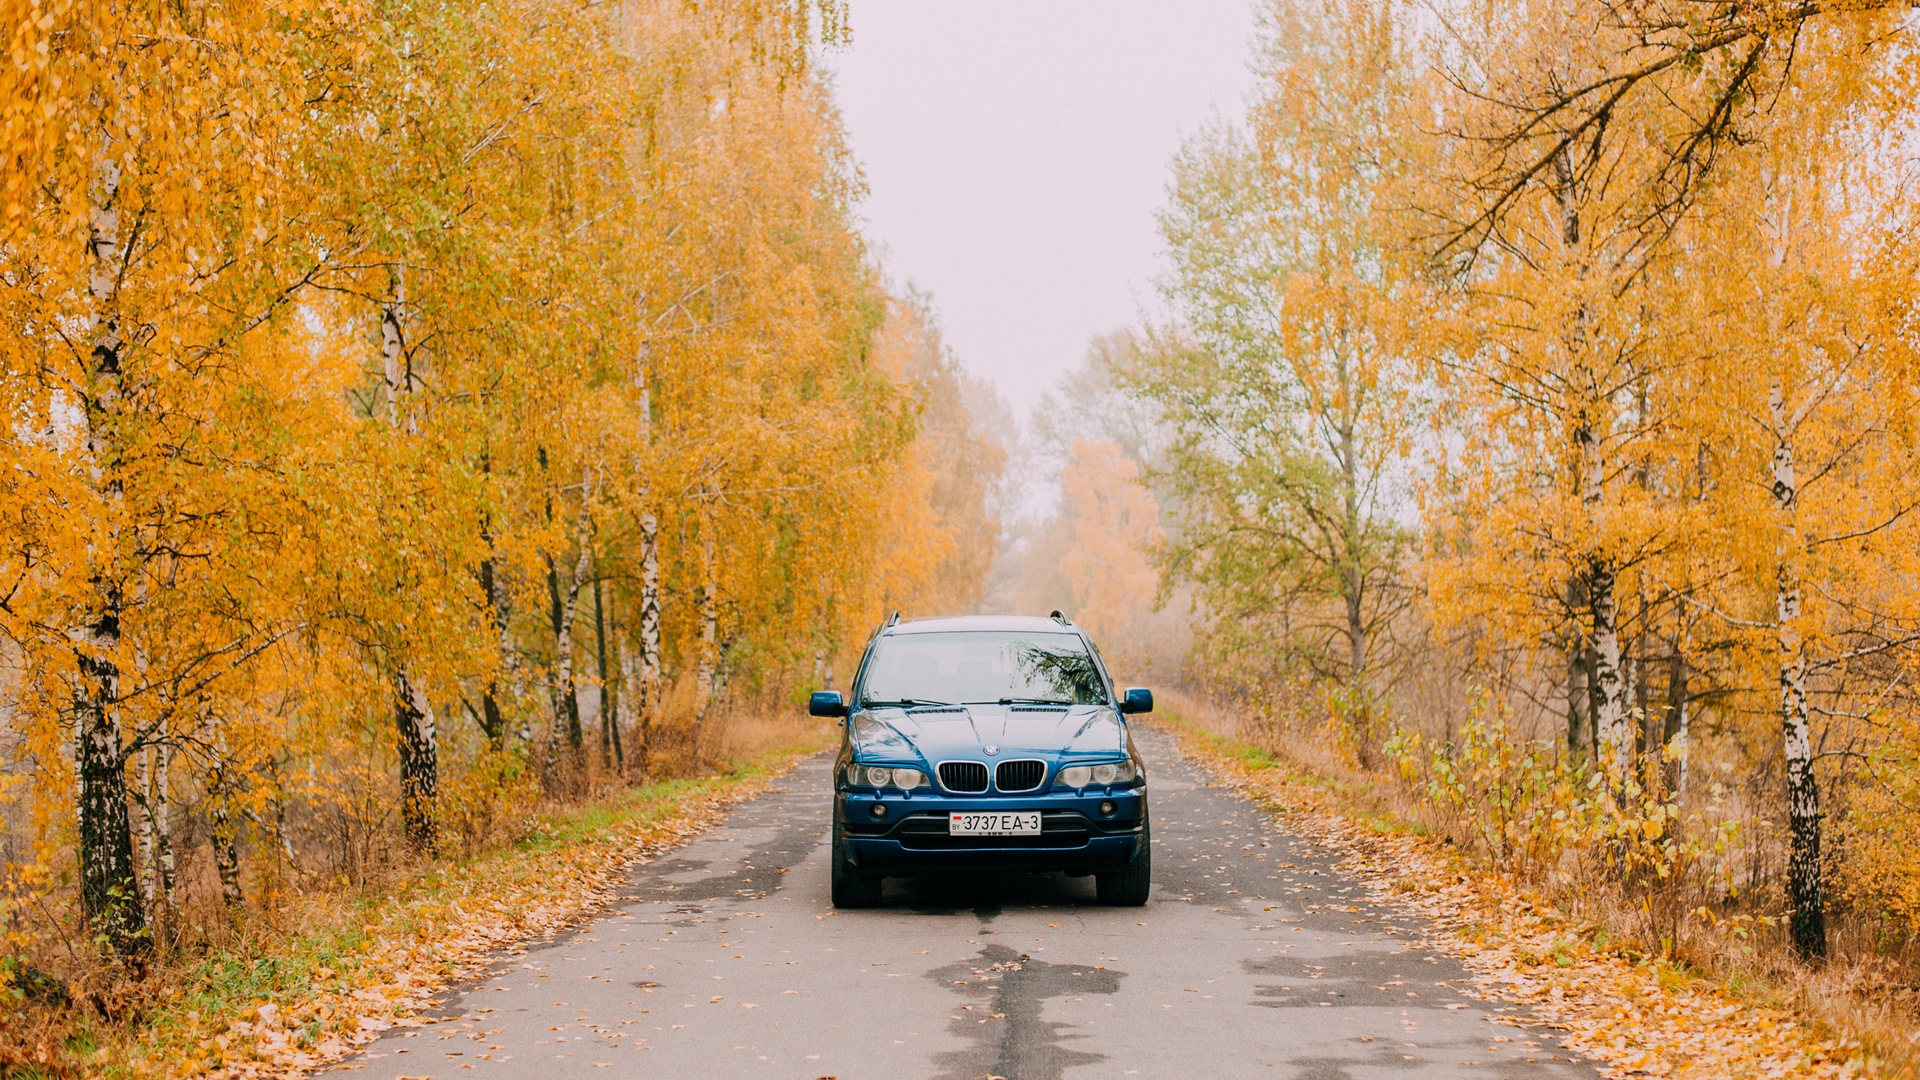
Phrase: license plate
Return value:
(997, 823)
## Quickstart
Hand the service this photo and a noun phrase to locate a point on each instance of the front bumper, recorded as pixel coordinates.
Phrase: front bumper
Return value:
(912, 837)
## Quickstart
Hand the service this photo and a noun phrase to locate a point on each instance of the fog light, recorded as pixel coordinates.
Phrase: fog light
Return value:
(1107, 807)
(879, 810)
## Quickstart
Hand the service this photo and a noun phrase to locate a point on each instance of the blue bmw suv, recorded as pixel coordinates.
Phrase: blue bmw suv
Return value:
(987, 743)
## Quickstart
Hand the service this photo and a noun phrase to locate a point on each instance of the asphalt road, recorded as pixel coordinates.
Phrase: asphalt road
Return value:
(1255, 957)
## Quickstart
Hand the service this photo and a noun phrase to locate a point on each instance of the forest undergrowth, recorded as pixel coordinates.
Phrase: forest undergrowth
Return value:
(292, 987)
(1644, 988)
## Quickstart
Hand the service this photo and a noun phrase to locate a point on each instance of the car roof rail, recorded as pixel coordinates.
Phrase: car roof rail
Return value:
(1059, 618)
(894, 619)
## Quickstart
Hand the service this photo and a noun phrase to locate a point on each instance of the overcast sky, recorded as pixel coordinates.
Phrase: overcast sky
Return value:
(1016, 152)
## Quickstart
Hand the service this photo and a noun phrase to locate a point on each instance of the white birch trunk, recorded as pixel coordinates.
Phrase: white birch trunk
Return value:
(648, 683)
(412, 714)
(567, 690)
(110, 887)
(397, 366)
(156, 855)
(566, 702)
(1613, 728)
(709, 617)
(1600, 652)
(649, 660)
(1807, 920)
(143, 782)
(503, 622)
(163, 823)
(492, 717)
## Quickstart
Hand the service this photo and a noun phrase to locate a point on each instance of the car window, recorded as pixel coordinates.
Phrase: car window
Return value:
(971, 667)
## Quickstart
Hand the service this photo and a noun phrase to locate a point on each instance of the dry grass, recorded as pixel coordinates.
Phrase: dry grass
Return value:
(1863, 1001)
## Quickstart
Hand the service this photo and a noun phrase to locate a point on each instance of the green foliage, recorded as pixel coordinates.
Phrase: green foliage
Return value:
(1538, 812)
(1286, 393)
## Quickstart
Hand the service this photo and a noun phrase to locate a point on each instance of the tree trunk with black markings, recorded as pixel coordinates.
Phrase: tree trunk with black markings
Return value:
(704, 675)
(1807, 917)
(612, 754)
(493, 723)
(563, 605)
(419, 766)
(647, 683)
(412, 714)
(109, 883)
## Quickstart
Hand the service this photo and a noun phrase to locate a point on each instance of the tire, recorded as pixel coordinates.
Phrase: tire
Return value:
(1129, 887)
(851, 888)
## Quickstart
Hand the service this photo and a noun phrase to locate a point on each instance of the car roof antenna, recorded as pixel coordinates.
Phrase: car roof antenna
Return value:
(1059, 618)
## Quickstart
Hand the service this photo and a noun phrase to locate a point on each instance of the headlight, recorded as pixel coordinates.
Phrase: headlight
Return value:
(884, 776)
(1109, 772)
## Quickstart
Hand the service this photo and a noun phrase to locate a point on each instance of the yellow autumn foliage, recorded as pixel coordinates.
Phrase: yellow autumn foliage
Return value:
(1540, 384)
(414, 412)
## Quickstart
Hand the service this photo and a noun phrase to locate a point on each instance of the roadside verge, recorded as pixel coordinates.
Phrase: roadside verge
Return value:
(1636, 1014)
(308, 999)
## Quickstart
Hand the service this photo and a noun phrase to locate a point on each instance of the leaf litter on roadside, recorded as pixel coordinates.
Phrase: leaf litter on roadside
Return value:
(1638, 1017)
(452, 928)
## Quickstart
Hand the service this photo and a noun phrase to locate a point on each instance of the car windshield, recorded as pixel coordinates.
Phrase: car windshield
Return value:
(974, 667)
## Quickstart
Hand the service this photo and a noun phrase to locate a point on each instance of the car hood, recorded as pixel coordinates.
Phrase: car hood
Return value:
(964, 731)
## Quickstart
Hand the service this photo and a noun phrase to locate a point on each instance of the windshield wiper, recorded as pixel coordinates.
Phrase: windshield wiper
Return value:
(1032, 701)
(907, 703)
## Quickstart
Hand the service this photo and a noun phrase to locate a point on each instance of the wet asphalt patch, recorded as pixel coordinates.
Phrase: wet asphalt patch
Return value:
(1257, 956)
(755, 874)
(1002, 1017)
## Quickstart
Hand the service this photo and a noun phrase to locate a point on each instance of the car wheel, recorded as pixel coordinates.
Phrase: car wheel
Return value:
(851, 888)
(1128, 887)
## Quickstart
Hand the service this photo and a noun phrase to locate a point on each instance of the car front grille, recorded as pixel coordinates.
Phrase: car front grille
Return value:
(963, 776)
(1020, 775)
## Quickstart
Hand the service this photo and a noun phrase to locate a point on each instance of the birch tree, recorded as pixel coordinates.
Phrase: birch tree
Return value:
(1814, 402)
(1285, 381)
(142, 272)
(1722, 369)
(292, 296)
(1549, 364)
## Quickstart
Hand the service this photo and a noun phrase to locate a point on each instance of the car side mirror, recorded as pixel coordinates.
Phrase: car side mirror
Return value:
(826, 703)
(1136, 699)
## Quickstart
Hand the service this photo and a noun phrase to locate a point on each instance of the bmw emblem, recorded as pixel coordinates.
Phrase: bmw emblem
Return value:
(992, 750)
